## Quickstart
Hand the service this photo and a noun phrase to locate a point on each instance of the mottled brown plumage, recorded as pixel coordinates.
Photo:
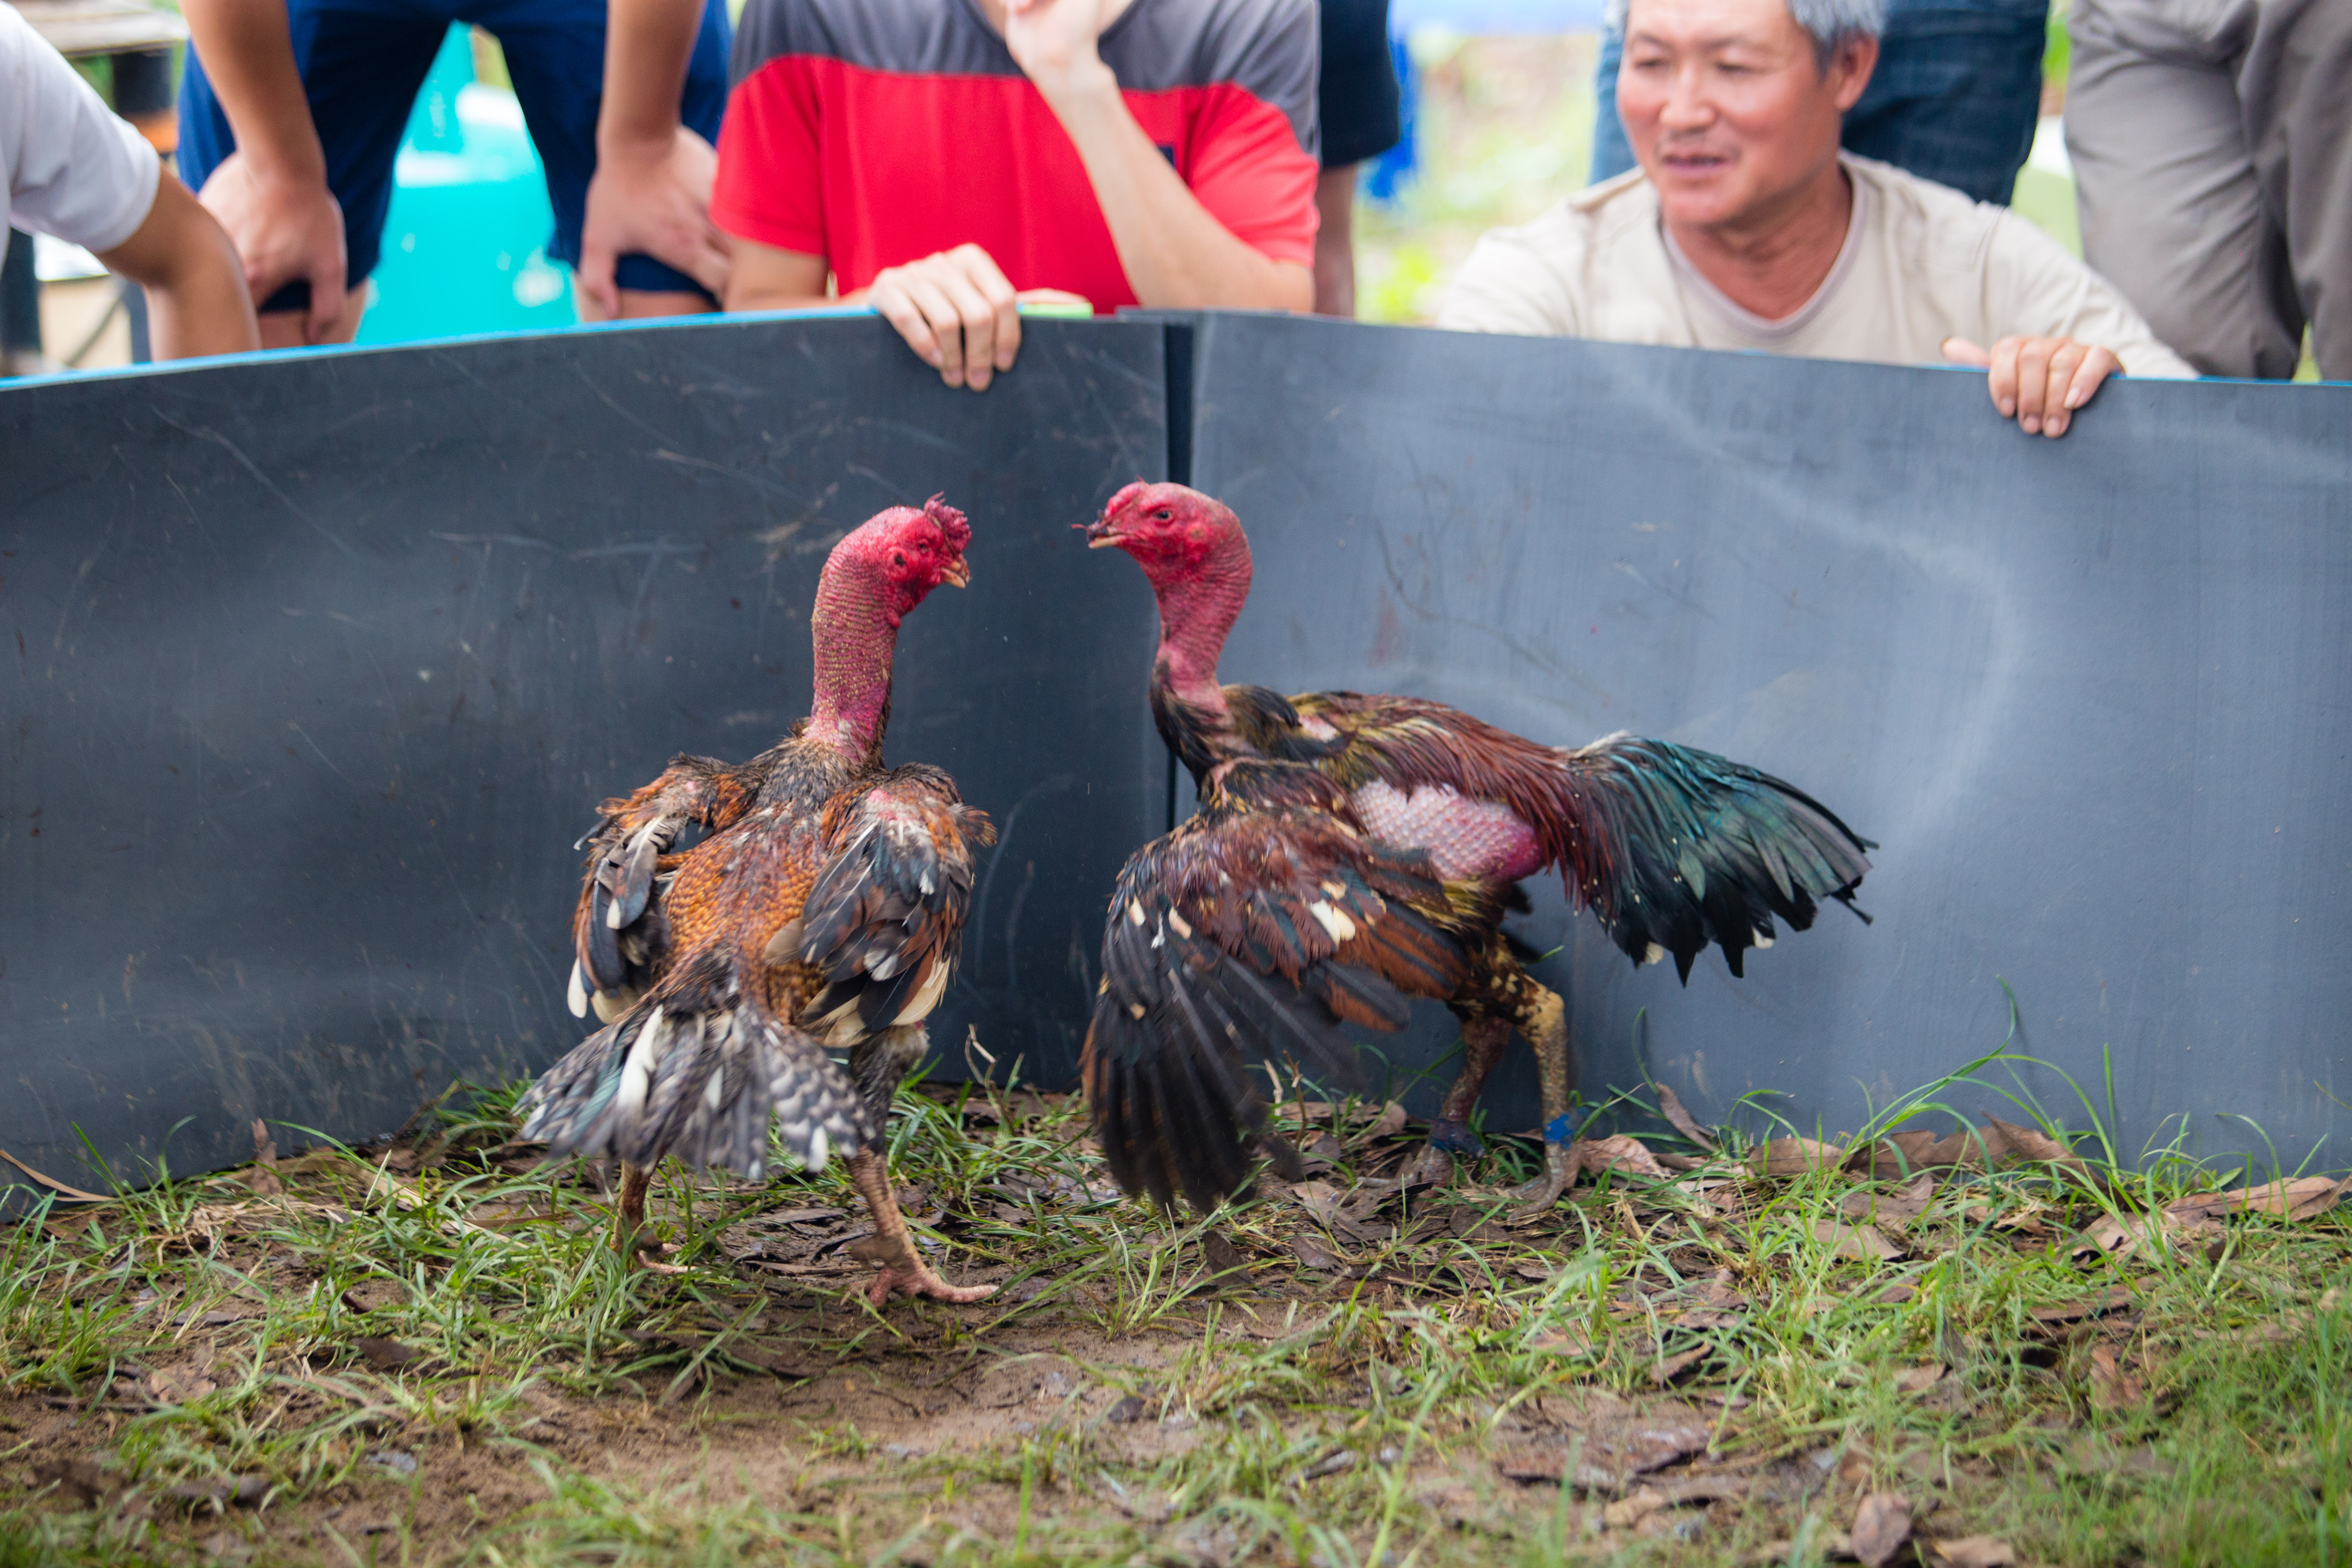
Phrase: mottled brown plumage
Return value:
(824, 906)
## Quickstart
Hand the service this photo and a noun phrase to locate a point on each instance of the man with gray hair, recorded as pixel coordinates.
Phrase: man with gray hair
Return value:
(1746, 227)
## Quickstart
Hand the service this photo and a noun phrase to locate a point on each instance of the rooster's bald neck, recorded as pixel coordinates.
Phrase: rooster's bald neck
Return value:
(1197, 612)
(855, 636)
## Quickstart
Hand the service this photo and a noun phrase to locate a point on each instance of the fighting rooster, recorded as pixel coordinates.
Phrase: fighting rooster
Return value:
(1351, 851)
(824, 907)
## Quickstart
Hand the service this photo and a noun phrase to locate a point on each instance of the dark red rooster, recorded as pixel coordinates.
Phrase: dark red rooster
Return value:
(824, 907)
(1352, 851)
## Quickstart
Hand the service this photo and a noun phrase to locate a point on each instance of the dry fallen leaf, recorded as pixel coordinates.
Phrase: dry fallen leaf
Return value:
(1627, 1513)
(2114, 1299)
(1915, 1378)
(1971, 1552)
(1618, 1153)
(1669, 1368)
(1899, 1207)
(264, 1177)
(1562, 1341)
(1794, 1157)
(1863, 1241)
(384, 1355)
(2112, 1388)
(1881, 1525)
(2025, 1143)
(1670, 1105)
(1312, 1254)
(1387, 1124)
(178, 1387)
(2303, 1199)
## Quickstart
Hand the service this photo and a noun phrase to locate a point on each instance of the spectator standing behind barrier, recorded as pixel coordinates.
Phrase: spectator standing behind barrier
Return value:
(2212, 149)
(1747, 227)
(1955, 99)
(76, 171)
(1356, 104)
(291, 112)
(942, 157)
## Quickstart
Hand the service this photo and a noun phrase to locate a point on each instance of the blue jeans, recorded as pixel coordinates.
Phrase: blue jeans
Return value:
(1954, 99)
(362, 63)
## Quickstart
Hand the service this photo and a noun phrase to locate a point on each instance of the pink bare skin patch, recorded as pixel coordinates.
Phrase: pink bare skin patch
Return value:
(1464, 838)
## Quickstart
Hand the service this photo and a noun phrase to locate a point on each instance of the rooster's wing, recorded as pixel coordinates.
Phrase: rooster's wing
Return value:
(1252, 932)
(619, 937)
(884, 923)
(1671, 846)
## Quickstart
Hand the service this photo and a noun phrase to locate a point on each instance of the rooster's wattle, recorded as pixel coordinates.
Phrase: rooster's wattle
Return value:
(824, 907)
(1352, 851)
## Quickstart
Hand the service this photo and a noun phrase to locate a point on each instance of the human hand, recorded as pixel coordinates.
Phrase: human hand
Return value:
(956, 309)
(2038, 382)
(652, 201)
(1052, 42)
(286, 229)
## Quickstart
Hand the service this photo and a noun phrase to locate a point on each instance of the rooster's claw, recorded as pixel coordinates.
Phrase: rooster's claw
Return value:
(912, 1277)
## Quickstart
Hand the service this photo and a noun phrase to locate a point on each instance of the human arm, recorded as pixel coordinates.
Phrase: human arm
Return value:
(271, 193)
(197, 291)
(651, 191)
(1174, 251)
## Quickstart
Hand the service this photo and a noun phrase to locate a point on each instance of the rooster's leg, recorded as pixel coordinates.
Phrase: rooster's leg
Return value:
(1484, 1036)
(1542, 1017)
(905, 1270)
(629, 1219)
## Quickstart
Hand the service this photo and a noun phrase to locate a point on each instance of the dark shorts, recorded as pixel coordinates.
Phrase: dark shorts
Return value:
(362, 63)
(1955, 98)
(1357, 96)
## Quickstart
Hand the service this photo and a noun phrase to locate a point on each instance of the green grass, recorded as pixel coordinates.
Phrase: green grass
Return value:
(451, 1366)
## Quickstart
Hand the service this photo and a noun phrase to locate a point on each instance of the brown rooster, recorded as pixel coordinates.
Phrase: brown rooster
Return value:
(1351, 851)
(824, 907)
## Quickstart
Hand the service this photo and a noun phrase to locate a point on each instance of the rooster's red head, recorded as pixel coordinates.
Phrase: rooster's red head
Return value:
(911, 552)
(1174, 532)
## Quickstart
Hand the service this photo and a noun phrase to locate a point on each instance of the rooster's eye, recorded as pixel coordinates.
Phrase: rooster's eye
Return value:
(1163, 515)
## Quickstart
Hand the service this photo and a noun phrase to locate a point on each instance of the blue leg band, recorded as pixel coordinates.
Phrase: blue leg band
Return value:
(1454, 1138)
(1561, 1129)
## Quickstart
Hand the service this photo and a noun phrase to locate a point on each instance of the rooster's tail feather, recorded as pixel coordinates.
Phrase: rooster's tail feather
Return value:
(700, 1077)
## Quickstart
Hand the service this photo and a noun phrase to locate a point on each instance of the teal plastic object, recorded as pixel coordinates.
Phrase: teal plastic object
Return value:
(464, 245)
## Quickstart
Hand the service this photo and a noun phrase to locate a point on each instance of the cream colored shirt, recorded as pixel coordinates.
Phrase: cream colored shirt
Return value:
(1921, 263)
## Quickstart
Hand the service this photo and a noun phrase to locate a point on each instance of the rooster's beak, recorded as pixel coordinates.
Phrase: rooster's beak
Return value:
(1100, 532)
(956, 572)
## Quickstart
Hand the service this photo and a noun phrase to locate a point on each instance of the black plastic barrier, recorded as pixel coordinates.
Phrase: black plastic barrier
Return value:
(2093, 695)
(317, 668)
(322, 663)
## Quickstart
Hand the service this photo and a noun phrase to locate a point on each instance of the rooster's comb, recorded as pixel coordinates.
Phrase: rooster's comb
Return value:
(953, 525)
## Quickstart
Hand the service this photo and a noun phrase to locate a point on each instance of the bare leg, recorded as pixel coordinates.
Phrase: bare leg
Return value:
(629, 1221)
(906, 1271)
(1484, 1036)
(1542, 1017)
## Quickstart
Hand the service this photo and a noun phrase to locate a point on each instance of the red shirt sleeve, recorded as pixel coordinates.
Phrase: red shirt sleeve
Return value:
(1245, 167)
(770, 186)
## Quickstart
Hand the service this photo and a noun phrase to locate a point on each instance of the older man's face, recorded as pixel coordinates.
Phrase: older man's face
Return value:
(1727, 107)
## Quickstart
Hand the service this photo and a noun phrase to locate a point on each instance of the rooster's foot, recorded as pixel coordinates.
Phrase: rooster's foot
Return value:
(1430, 1166)
(909, 1275)
(648, 1257)
(1433, 1166)
(1536, 1197)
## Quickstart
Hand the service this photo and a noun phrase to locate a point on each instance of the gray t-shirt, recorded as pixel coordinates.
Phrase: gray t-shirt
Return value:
(1921, 263)
(75, 169)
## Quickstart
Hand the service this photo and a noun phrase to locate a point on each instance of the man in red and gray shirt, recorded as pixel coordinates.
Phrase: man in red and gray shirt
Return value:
(941, 158)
